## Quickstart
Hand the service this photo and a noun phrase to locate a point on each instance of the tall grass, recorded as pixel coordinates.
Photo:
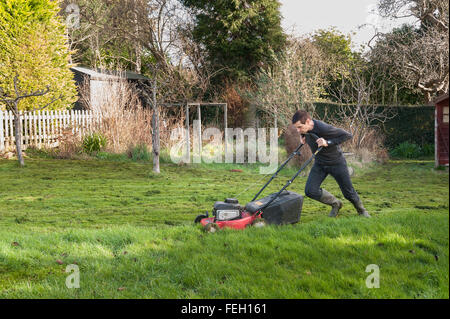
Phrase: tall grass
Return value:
(367, 143)
(131, 234)
(126, 123)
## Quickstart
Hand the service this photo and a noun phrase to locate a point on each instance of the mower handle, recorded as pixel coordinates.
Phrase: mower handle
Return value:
(296, 152)
(293, 178)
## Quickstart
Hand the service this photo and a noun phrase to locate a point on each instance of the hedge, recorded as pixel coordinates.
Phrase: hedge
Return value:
(414, 124)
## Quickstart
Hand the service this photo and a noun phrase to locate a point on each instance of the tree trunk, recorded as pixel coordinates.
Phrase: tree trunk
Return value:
(155, 134)
(18, 136)
(250, 116)
(137, 46)
(138, 59)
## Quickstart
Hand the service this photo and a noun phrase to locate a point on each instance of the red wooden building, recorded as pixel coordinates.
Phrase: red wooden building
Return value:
(441, 130)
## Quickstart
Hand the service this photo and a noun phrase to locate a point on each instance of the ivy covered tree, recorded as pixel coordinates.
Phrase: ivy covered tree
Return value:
(336, 46)
(34, 68)
(240, 36)
(336, 49)
(33, 51)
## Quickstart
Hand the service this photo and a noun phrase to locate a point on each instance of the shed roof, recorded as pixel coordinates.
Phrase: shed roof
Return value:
(103, 74)
(440, 98)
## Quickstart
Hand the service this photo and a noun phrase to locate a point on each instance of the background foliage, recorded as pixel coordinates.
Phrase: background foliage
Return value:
(410, 124)
(33, 46)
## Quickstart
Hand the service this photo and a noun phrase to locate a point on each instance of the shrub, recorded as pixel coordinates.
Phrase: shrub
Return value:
(94, 143)
(367, 143)
(139, 152)
(413, 123)
(291, 141)
(125, 121)
(407, 150)
(428, 150)
(69, 145)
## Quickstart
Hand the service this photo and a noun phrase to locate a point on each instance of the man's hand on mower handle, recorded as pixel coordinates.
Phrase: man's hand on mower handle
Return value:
(321, 142)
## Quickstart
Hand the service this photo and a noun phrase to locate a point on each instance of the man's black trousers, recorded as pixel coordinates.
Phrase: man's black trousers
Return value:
(341, 175)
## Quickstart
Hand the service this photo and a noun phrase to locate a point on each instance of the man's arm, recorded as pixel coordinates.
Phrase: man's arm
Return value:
(334, 135)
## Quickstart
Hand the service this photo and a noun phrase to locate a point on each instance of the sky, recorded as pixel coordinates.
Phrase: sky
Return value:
(346, 15)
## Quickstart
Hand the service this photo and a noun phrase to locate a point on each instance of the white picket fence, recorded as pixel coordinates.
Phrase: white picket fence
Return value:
(42, 128)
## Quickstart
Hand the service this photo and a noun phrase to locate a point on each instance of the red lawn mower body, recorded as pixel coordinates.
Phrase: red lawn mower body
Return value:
(241, 223)
(283, 207)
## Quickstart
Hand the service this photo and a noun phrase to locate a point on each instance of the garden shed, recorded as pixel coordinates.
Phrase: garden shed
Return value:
(98, 82)
(441, 130)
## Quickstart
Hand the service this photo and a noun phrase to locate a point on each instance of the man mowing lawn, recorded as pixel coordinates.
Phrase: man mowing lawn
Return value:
(328, 161)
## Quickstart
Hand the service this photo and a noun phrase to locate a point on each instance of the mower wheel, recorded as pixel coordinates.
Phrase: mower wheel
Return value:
(211, 228)
(259, 222)
(199, 218)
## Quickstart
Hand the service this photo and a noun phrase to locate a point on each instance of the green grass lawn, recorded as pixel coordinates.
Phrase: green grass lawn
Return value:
(131, 233)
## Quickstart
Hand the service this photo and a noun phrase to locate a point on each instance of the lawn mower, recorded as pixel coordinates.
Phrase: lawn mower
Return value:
(283, 207)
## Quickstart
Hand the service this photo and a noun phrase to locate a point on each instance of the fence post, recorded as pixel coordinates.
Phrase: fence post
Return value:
(77, 121)
(25, 127)
(83, 122)
(33, 129)
(52, 126)
(72, 120)
(80, 122)
(11, 129)
(89, 121)
(40, 128)
(44, 127)
(2, 135)
(65, 117)
(6, 128)
(47, 123)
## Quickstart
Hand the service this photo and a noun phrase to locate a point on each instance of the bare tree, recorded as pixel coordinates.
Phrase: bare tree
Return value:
(124, 31)
(194, 62)
(149, 26)
(12, 104)
(295, 80)
(150, 92)
(356, 94)
(419, 56)
(161, 89)
(433, 13)
(87, 31)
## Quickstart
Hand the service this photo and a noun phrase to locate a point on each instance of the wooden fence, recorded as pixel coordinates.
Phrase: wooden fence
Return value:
(42, 128)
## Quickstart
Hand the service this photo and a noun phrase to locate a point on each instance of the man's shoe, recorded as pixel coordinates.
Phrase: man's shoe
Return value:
(361, 210)
(329, 199)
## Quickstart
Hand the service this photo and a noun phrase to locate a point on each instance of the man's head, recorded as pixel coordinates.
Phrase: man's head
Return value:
(302, 121)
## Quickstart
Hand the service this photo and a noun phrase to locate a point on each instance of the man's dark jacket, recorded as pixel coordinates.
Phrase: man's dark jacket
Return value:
(332, 154)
